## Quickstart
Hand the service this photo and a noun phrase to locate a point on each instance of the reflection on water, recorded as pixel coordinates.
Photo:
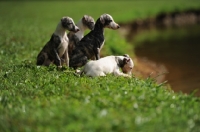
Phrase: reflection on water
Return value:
(180, 56)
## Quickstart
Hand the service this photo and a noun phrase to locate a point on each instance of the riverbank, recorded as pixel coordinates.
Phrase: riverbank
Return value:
(166, 48)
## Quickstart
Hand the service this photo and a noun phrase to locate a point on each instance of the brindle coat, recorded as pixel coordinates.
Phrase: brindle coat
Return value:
(86, 22)
(57, 46)
(91, 44)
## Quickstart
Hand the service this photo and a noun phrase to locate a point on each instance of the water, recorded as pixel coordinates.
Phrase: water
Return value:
(179, 55)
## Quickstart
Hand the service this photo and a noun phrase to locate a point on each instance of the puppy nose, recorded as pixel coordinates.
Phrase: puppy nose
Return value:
(77, 29)
(118, 26)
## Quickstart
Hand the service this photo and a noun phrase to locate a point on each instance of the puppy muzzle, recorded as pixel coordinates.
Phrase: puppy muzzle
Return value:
(91, 27)
(75, 29)
(114, 26)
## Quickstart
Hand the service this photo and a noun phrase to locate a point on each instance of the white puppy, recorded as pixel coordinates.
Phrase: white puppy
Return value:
(109, 65)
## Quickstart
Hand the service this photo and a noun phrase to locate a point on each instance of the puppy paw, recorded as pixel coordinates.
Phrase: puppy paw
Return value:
(78, 71)
(59, 67)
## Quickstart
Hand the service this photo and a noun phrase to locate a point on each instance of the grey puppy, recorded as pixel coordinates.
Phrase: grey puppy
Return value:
(91, 44)
(57, 46)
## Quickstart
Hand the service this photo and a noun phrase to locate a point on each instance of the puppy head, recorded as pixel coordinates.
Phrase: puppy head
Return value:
(68, 24)
(127, 64)
(88, 22)
(108, 22)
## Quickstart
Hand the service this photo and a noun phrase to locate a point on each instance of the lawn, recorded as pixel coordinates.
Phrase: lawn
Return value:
(46, 99)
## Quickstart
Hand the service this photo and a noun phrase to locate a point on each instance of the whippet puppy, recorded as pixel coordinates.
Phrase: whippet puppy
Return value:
(109, 65)
(57, 46)
(86, 22)
(91, 44)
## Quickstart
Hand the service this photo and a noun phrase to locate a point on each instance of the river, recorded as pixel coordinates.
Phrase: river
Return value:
(167, 49)
(177, 56)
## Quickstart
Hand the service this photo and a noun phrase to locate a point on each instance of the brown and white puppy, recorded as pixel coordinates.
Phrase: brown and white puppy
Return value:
(86, 22)
(57, 46)
(109, 65)
(91, 44)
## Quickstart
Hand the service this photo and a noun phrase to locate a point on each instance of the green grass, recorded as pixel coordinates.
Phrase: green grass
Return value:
(46, 99)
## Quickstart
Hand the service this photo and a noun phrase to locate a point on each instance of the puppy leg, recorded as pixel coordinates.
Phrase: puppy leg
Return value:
(118, 73)
(94, 73)
(43, 59)
(47, 62)
(40, 59)
(97, 54)
(66, 58)
(102, 74)
(56, 58)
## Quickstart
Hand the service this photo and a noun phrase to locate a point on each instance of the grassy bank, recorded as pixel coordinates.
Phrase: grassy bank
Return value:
(44, 99)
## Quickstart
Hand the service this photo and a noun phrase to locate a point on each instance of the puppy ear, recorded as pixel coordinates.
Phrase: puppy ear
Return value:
(126, 55)
(63, 19)
(102, 19)
(126, 60)
(84, 18)
(119, 62)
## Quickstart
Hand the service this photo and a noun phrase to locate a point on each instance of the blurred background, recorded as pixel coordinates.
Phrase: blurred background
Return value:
(167, 48)
(163, 37)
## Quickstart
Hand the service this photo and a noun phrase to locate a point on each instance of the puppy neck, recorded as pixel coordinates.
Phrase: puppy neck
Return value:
(119, 61)
(82, 28)
(60, 30)
(98, 26)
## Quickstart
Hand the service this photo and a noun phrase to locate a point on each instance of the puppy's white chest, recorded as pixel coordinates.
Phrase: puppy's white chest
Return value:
(63, 45)
(102, 45)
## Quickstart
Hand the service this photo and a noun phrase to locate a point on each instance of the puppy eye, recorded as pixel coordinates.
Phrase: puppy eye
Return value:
(110, 20)
(69, 23)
